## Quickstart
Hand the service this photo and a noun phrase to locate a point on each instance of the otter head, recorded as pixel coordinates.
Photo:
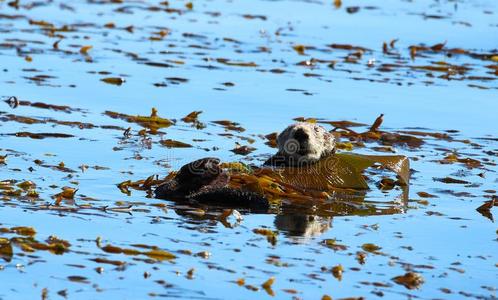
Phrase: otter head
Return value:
(304, 143)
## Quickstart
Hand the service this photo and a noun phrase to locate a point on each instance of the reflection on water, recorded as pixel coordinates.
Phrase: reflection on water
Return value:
(299, 219)
(311, 220)
(306, 226)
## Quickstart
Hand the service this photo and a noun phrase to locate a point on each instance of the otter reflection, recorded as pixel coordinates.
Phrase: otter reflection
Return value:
(306, 226)
(308, 221)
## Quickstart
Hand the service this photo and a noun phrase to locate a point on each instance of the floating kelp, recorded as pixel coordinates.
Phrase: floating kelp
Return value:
(114, 80)
(152, 122)
(169, 143)
(27, 243)
(40, 135)
(14, 103)
(154, 252)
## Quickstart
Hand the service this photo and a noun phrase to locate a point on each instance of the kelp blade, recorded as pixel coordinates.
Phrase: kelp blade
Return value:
(399, 164)
(342, 171)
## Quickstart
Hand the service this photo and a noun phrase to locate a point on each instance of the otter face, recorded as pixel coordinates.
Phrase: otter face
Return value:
(303, 143)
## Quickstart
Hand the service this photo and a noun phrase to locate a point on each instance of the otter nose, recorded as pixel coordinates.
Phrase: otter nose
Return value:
(301, 136)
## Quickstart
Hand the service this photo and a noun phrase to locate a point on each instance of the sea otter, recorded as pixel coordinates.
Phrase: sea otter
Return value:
(205, 181)
(305, 167)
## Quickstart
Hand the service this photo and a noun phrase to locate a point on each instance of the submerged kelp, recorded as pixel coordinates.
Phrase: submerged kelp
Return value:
(80, 80)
